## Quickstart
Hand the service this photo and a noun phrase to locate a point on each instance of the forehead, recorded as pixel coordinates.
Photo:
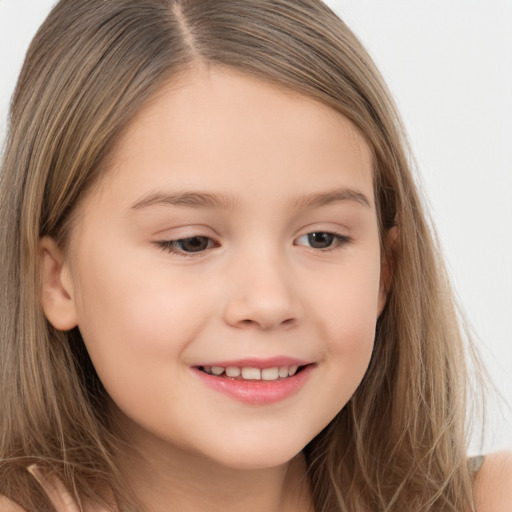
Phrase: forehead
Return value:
(219, 128)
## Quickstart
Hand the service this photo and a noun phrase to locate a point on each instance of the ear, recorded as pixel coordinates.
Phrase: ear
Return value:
(386, 267)
(56, 287)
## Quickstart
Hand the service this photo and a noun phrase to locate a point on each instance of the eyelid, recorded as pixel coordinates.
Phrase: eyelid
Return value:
(171, 243)
(340, 240)
(185, 230)
(171, 246)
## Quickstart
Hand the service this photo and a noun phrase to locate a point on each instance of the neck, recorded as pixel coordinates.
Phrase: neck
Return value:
(166, 479)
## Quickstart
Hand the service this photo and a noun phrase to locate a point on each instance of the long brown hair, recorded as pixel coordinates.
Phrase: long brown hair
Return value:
(400, 442)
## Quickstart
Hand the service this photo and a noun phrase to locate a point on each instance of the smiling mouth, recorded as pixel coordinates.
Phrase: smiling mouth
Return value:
(247, 373)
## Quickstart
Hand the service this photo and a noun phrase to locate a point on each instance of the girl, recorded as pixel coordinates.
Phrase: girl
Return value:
(219, 289)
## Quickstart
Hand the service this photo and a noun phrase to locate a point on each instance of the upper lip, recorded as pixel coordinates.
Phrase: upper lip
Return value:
(271, 362)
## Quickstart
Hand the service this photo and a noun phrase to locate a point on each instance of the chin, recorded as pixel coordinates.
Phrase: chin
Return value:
(257, 455)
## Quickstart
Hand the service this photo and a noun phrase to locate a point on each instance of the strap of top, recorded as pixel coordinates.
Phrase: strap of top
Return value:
(475, 463)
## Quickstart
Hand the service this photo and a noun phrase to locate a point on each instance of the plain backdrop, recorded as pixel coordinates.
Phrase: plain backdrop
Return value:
(448, 64)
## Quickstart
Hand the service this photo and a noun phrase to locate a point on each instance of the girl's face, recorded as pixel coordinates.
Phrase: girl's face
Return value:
(235, 232)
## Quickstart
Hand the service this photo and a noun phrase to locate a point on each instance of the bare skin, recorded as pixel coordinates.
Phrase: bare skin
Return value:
(493, 489)
(259, 285)
(232, 213)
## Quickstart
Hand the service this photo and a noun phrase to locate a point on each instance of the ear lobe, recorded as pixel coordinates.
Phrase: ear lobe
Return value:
(56, 289)
(387, 264)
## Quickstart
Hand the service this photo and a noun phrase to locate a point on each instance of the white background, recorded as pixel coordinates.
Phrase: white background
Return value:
(448, 64)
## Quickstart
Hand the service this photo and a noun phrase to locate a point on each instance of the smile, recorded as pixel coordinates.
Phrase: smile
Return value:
(256, 382)
(250, 373)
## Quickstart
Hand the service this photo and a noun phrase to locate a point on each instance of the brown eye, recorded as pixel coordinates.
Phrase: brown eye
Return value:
(321, 240)
(187, 246)
(193, 244)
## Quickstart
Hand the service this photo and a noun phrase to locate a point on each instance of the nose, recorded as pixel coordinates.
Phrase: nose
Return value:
(262, 295)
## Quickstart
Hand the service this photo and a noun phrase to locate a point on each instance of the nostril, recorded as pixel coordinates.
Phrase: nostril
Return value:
(258, 312)
(267, 325)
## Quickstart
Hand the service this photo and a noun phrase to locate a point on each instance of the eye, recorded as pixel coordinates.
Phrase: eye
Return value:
(323, 240)
(188, 246)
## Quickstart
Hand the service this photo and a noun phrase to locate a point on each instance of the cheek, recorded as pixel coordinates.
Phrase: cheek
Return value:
(350, 300)
(134, 318)
(134, 301)
(350, 311)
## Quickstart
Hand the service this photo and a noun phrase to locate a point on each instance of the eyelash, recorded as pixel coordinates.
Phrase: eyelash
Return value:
(339, 241)
(173, 246)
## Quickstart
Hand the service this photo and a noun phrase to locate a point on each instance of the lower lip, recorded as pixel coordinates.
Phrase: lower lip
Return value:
(257, 392)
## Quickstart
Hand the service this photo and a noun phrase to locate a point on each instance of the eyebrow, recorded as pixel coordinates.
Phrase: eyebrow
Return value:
(342, 195)
(192, 199)
(187, 199)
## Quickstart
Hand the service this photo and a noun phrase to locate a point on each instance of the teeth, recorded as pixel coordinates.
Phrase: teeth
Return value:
(292, 370)
(233, 371)
(251, 373)
(270, 374)
(248, 373)
(283, 372)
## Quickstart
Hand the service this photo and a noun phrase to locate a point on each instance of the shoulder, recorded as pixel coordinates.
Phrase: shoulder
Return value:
(7, 505)
(493, 483)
